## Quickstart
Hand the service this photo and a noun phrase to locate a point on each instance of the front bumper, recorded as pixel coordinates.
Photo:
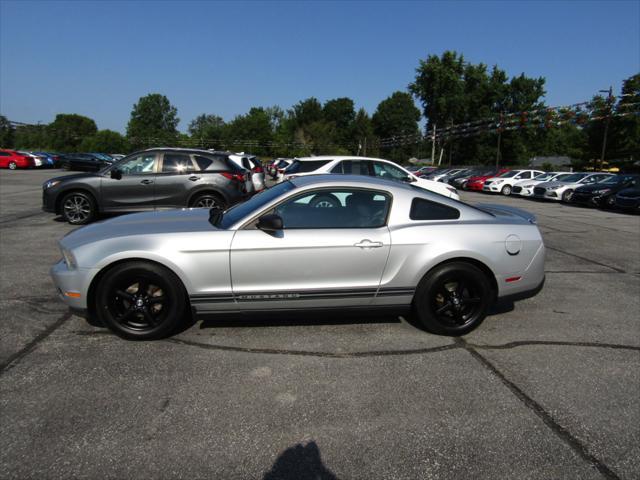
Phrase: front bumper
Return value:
(522, 191)
(492, 187)
(48, 201)
(72, 284)
(547, 194)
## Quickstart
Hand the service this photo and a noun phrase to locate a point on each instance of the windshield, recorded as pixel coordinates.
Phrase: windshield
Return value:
(510, 174)
(575, 177)
(544, 177)
(241, 210)
(617, 179)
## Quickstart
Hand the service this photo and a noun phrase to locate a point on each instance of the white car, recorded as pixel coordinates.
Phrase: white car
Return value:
(504, 183)
(253, 164)
(563, 189)
(524, 188)
(373, 167)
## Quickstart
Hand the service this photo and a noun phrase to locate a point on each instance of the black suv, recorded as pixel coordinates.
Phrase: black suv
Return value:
(156, 178)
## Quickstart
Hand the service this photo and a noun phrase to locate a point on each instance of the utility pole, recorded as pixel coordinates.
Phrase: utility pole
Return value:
(606, 125)
(433, 145)
(499, 142)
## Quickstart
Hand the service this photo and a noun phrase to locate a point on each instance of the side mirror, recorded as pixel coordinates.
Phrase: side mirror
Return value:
(409, 179)
(116, 174)
(270, 223)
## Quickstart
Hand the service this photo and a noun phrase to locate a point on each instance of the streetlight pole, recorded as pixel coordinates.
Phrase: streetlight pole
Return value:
(606, 125)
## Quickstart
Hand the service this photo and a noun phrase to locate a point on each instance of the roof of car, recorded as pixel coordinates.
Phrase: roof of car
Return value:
(338, 157)
(350, 180)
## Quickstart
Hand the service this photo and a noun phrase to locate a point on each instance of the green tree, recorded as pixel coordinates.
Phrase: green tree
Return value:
(364, 135)
(397, 117)
(341, 113)
(154, 122)
(7, 133)
(207, 130)
(68, 130)
(32, 137)
(250, 132)
(105, 141)
(626, 128)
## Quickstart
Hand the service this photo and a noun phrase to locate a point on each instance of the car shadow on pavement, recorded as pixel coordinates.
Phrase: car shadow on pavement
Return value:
(300, 462)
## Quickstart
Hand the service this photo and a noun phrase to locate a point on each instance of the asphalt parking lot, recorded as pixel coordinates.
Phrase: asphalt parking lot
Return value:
(547, 388)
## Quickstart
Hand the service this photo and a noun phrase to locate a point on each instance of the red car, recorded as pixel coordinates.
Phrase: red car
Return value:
(476, 183)
(11, 159)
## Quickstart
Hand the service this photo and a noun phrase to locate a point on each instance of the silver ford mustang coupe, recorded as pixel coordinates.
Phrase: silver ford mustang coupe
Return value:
(316, 242)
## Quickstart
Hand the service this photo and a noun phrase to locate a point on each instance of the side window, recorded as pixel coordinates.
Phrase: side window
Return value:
(422, 209)
(343, 208)
(176, 163)
(4, 154)
(214, 163)
(390, 172)
(139, 165)
(352, 167)
(525, 175)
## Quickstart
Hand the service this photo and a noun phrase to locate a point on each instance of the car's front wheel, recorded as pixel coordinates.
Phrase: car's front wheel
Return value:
(140, 301)
(566, 196)
(78, 208)
(453, 299)
(506, 190)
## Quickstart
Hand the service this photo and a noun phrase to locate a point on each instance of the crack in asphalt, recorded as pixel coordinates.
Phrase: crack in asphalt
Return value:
(619, 270)
(29, 347)
(561, 432)
(382, 353)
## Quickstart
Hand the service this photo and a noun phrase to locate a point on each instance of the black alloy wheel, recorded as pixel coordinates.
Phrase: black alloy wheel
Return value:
(208, 201)
(453, 299)
(78, 208)
(140, 301)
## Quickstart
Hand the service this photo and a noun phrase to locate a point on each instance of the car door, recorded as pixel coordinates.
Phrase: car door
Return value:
(134, 189)
(325, 256)
(177, 175)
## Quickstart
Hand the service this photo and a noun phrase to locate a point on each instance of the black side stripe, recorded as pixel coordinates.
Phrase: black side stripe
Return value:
(301, 295)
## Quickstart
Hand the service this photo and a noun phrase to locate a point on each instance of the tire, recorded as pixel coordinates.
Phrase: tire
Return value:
(78, 208)
(506, 190)
(66, 166)
(140, 301)
(566, 196)
(435, 305)
(208, 200)
(12, 165)
(324, 200)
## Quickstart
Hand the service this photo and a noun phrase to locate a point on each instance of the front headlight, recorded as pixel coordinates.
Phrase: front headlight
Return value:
(602, 191)
(500, 180)
(69, 259)
(555, 187)
(51, 183)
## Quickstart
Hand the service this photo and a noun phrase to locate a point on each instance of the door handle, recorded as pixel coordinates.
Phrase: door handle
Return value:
(368, 244)
(146, 182)
(193, 178)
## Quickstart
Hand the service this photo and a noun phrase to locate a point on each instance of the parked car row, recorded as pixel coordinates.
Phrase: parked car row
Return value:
(354, 165)
(14, 159)
(598, 189)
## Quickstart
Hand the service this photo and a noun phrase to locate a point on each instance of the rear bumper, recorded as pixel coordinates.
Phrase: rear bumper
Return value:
(530, 281)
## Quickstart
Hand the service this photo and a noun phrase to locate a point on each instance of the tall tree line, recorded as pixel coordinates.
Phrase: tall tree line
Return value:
(449, 89)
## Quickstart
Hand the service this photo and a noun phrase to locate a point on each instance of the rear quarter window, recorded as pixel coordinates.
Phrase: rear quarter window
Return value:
(422, 209)
(213, 163)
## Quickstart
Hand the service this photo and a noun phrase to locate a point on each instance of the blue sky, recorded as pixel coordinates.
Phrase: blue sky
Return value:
(98, 58)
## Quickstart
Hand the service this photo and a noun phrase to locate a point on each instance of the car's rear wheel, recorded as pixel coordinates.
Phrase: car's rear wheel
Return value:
(12, 165)
(208, 200)
(453, 299)
(140, 301)
(566, 196)
(506, 190)
(78, 208)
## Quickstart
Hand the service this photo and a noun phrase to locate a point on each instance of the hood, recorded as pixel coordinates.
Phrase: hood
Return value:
(507, 213)
(633, 192)
(147, 223)
(75, 176)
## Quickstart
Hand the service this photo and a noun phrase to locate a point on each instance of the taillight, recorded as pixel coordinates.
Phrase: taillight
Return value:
(238, 177)
(258, 170)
